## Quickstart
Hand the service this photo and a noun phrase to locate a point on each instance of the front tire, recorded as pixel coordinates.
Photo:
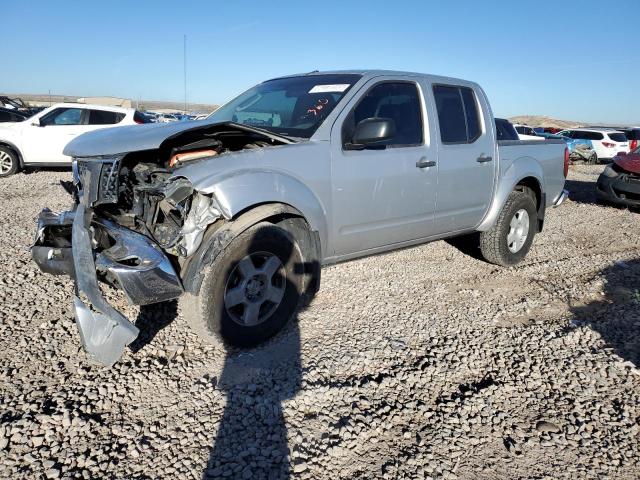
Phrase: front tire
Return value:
(510, 239)
(8, 162)
(250, 290)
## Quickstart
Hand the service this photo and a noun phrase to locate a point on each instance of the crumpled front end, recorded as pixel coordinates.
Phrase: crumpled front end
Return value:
(89, 248)
(619, 186)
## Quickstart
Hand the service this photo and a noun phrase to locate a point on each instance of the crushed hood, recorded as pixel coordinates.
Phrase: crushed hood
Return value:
(135, 138)
(130, 138)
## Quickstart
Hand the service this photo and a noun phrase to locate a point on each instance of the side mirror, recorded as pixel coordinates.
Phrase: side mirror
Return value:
(36, 122)
(371, 133)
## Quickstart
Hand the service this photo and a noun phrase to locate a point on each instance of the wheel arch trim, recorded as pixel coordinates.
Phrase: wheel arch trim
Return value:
(6, 143)
(221, 233)
(523, 169)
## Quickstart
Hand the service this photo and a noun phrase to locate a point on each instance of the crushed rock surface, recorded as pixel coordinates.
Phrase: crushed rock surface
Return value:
(421, 363)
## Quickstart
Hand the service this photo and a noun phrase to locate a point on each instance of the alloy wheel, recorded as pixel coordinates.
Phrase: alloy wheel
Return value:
(6, 163)
(518, 230)
(255, 288)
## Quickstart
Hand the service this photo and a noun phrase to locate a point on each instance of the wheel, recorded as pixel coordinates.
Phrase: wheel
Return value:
(593, 158)
(250, 290)
(8, 162)
(508, 242)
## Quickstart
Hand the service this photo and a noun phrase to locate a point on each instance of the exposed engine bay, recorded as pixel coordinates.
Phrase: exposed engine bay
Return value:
(140, 190)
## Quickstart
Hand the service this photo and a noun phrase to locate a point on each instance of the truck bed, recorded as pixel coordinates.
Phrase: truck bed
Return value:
(549, 154)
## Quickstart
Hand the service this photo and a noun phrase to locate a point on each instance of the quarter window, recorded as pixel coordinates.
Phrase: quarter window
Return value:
(617, 137)
(458, 114)
(399, 101)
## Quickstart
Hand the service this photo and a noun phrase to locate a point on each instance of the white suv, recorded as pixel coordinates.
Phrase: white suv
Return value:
(607, 142)
(40, 140)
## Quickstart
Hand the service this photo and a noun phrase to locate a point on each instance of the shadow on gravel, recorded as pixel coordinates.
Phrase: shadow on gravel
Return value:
(468, 245)
(152, 319)
(252, 441)
(252, 438)
(581, 192)
(617, 316)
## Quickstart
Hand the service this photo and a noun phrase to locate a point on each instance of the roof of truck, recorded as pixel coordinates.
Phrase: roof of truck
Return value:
(378, 73)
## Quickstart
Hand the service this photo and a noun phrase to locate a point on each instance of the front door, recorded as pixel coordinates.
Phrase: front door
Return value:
(384, 195)
(45, 143)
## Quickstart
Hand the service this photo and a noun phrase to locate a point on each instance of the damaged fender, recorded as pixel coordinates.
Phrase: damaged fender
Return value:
(204, 211)
(235, 193)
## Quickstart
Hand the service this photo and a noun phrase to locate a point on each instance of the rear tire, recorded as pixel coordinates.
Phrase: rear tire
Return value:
(9, 163)
(510, 239)
(250, 290)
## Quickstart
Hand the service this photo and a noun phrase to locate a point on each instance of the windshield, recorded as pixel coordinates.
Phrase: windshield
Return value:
(294, 106)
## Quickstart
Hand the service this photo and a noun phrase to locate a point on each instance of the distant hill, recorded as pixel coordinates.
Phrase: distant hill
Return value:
(542, 121)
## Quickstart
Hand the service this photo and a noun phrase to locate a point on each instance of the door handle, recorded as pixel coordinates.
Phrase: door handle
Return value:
(484, 158)
(424, 163)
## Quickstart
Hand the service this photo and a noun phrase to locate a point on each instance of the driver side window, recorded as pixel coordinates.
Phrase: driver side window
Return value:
(62, 116)
(398, 101)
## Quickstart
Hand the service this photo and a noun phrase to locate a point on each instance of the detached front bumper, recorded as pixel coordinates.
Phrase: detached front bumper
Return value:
(86, 247)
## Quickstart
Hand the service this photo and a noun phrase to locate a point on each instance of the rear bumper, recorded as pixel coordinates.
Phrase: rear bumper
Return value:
(67, 244)
(620, 190)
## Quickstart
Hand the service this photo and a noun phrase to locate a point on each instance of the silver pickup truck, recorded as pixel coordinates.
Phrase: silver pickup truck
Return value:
(236, 214)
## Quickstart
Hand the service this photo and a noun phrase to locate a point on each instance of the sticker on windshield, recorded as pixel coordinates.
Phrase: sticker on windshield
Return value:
(340, 87)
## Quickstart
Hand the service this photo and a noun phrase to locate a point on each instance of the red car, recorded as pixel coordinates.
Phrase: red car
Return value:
(619, 183)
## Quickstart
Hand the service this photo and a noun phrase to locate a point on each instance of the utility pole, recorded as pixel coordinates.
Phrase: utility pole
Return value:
(185, 73)
(49, 97)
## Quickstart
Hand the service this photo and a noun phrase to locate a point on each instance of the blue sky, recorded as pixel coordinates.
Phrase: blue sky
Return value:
(570, 60)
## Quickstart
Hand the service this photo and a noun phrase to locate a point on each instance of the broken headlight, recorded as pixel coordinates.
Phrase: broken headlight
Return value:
(97, 178)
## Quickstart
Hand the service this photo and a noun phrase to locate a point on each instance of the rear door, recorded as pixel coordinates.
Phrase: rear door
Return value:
(383, 196)
(101, 118)
(466, 157)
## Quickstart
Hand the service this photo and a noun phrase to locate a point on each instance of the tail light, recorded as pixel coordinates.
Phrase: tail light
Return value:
(608, 145)
(139, 122)
(566, 162)
(633, 144)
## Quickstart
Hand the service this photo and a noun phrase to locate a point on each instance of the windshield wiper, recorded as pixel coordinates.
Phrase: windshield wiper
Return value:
(264, 131)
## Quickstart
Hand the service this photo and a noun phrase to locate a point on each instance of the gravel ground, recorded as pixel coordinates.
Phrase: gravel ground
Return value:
(422, 363)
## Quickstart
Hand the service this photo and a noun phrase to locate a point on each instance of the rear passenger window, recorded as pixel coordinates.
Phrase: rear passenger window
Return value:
(581, 135)
(103, 117)
(398, 101)
(471, 111)
(458, 114)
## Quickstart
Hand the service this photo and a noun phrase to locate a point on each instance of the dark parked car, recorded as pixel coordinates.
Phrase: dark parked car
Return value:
(619, 183)
(505, 130)
(633, 134)
(11, 115)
